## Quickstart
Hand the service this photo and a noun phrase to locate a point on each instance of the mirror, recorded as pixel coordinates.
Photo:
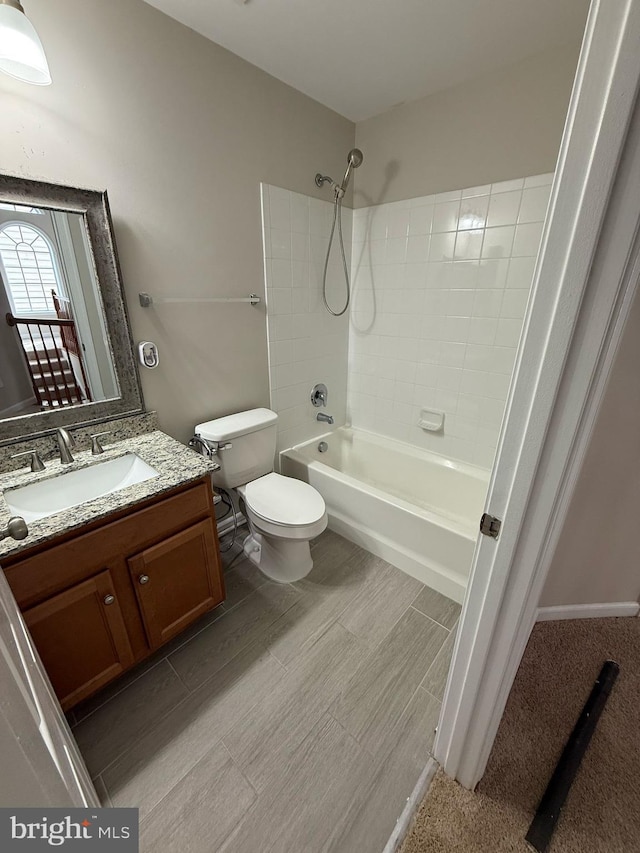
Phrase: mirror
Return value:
(66, 355)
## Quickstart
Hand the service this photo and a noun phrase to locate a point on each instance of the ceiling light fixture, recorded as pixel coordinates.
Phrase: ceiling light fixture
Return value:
(21, 52)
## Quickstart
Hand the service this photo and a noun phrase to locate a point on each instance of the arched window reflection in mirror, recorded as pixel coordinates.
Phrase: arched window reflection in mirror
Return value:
(41, 313)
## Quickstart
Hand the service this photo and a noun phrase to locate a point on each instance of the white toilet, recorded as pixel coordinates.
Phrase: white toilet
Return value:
(284, 514)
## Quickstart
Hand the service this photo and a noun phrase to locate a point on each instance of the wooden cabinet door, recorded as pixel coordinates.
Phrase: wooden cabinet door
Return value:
(177, 580)
(81, 637)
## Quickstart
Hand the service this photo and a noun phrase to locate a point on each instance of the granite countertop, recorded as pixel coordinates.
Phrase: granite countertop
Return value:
(175, 463)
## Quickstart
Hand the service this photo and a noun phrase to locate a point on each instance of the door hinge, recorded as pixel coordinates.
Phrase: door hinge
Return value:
(490, 525)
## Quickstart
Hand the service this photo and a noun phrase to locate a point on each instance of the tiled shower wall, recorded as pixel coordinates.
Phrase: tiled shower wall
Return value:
(306, 344)
(440, 286)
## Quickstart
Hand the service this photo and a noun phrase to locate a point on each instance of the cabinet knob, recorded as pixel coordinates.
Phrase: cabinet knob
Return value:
(109, 599)
(143, 578)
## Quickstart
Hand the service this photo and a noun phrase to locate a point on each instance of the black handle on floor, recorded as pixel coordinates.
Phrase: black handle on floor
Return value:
(553, 799)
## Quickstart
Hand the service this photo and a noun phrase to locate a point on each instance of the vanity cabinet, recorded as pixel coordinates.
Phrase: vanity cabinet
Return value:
(176, 581)
(81, 637)
(101, 599)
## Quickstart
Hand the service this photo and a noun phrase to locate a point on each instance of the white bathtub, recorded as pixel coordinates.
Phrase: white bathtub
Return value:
(415, 509)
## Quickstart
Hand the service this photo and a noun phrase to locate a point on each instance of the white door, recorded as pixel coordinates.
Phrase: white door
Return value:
(41, 765)
(585, 278)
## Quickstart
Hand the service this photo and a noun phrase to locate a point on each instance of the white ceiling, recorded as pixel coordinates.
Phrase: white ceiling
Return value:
(362, 57)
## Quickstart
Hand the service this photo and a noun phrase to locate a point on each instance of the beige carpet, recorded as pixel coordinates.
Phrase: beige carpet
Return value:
(602, 812)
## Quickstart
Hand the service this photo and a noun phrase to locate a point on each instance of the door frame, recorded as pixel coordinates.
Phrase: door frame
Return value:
(585, 279)
(548, 423)
(75, 293)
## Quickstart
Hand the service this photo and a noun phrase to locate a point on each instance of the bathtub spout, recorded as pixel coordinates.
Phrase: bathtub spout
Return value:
(326, 419)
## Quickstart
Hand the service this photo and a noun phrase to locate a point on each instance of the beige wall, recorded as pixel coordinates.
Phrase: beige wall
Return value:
(180, 132)
(501, 126)
(598, 556)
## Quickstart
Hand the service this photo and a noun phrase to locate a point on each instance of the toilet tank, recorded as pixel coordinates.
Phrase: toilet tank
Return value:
(252, 436)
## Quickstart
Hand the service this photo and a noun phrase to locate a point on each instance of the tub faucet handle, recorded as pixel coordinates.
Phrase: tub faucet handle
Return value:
(319, 395)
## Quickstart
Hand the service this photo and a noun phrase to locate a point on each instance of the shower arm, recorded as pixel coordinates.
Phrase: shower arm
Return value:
(321, 180)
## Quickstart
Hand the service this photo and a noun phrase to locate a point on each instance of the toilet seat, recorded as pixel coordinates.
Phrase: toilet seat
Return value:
(283, 500)
(284, 506)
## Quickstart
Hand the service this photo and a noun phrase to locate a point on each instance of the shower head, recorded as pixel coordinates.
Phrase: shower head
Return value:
(354, 159)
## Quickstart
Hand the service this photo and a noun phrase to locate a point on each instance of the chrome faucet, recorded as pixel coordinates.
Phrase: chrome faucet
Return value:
(325, 419)
(65, 443)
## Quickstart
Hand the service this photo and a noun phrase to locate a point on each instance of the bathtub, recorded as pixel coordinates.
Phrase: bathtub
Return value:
(415, 509)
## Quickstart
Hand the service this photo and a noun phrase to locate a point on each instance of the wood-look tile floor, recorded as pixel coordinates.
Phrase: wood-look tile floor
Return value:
(294, 718)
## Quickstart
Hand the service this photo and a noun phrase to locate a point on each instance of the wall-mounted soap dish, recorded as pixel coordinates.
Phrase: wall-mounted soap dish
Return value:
(431, 421)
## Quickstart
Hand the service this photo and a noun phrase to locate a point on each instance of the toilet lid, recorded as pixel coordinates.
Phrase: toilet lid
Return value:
(284, 500)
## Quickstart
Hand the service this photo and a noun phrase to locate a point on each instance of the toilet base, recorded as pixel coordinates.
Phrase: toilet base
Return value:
(282, 560)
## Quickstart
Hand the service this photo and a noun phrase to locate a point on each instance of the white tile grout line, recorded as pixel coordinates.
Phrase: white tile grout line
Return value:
(144, 671)
(237, 766)
(432, 664)
(180, 681)
(429, 693)
(413, 802)
(430, 618)
(433, 619)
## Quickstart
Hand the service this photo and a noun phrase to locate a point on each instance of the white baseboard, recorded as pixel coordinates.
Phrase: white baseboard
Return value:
(413, 803)
(587, 611)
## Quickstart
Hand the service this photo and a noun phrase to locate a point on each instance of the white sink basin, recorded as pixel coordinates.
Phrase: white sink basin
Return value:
(38, 500)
